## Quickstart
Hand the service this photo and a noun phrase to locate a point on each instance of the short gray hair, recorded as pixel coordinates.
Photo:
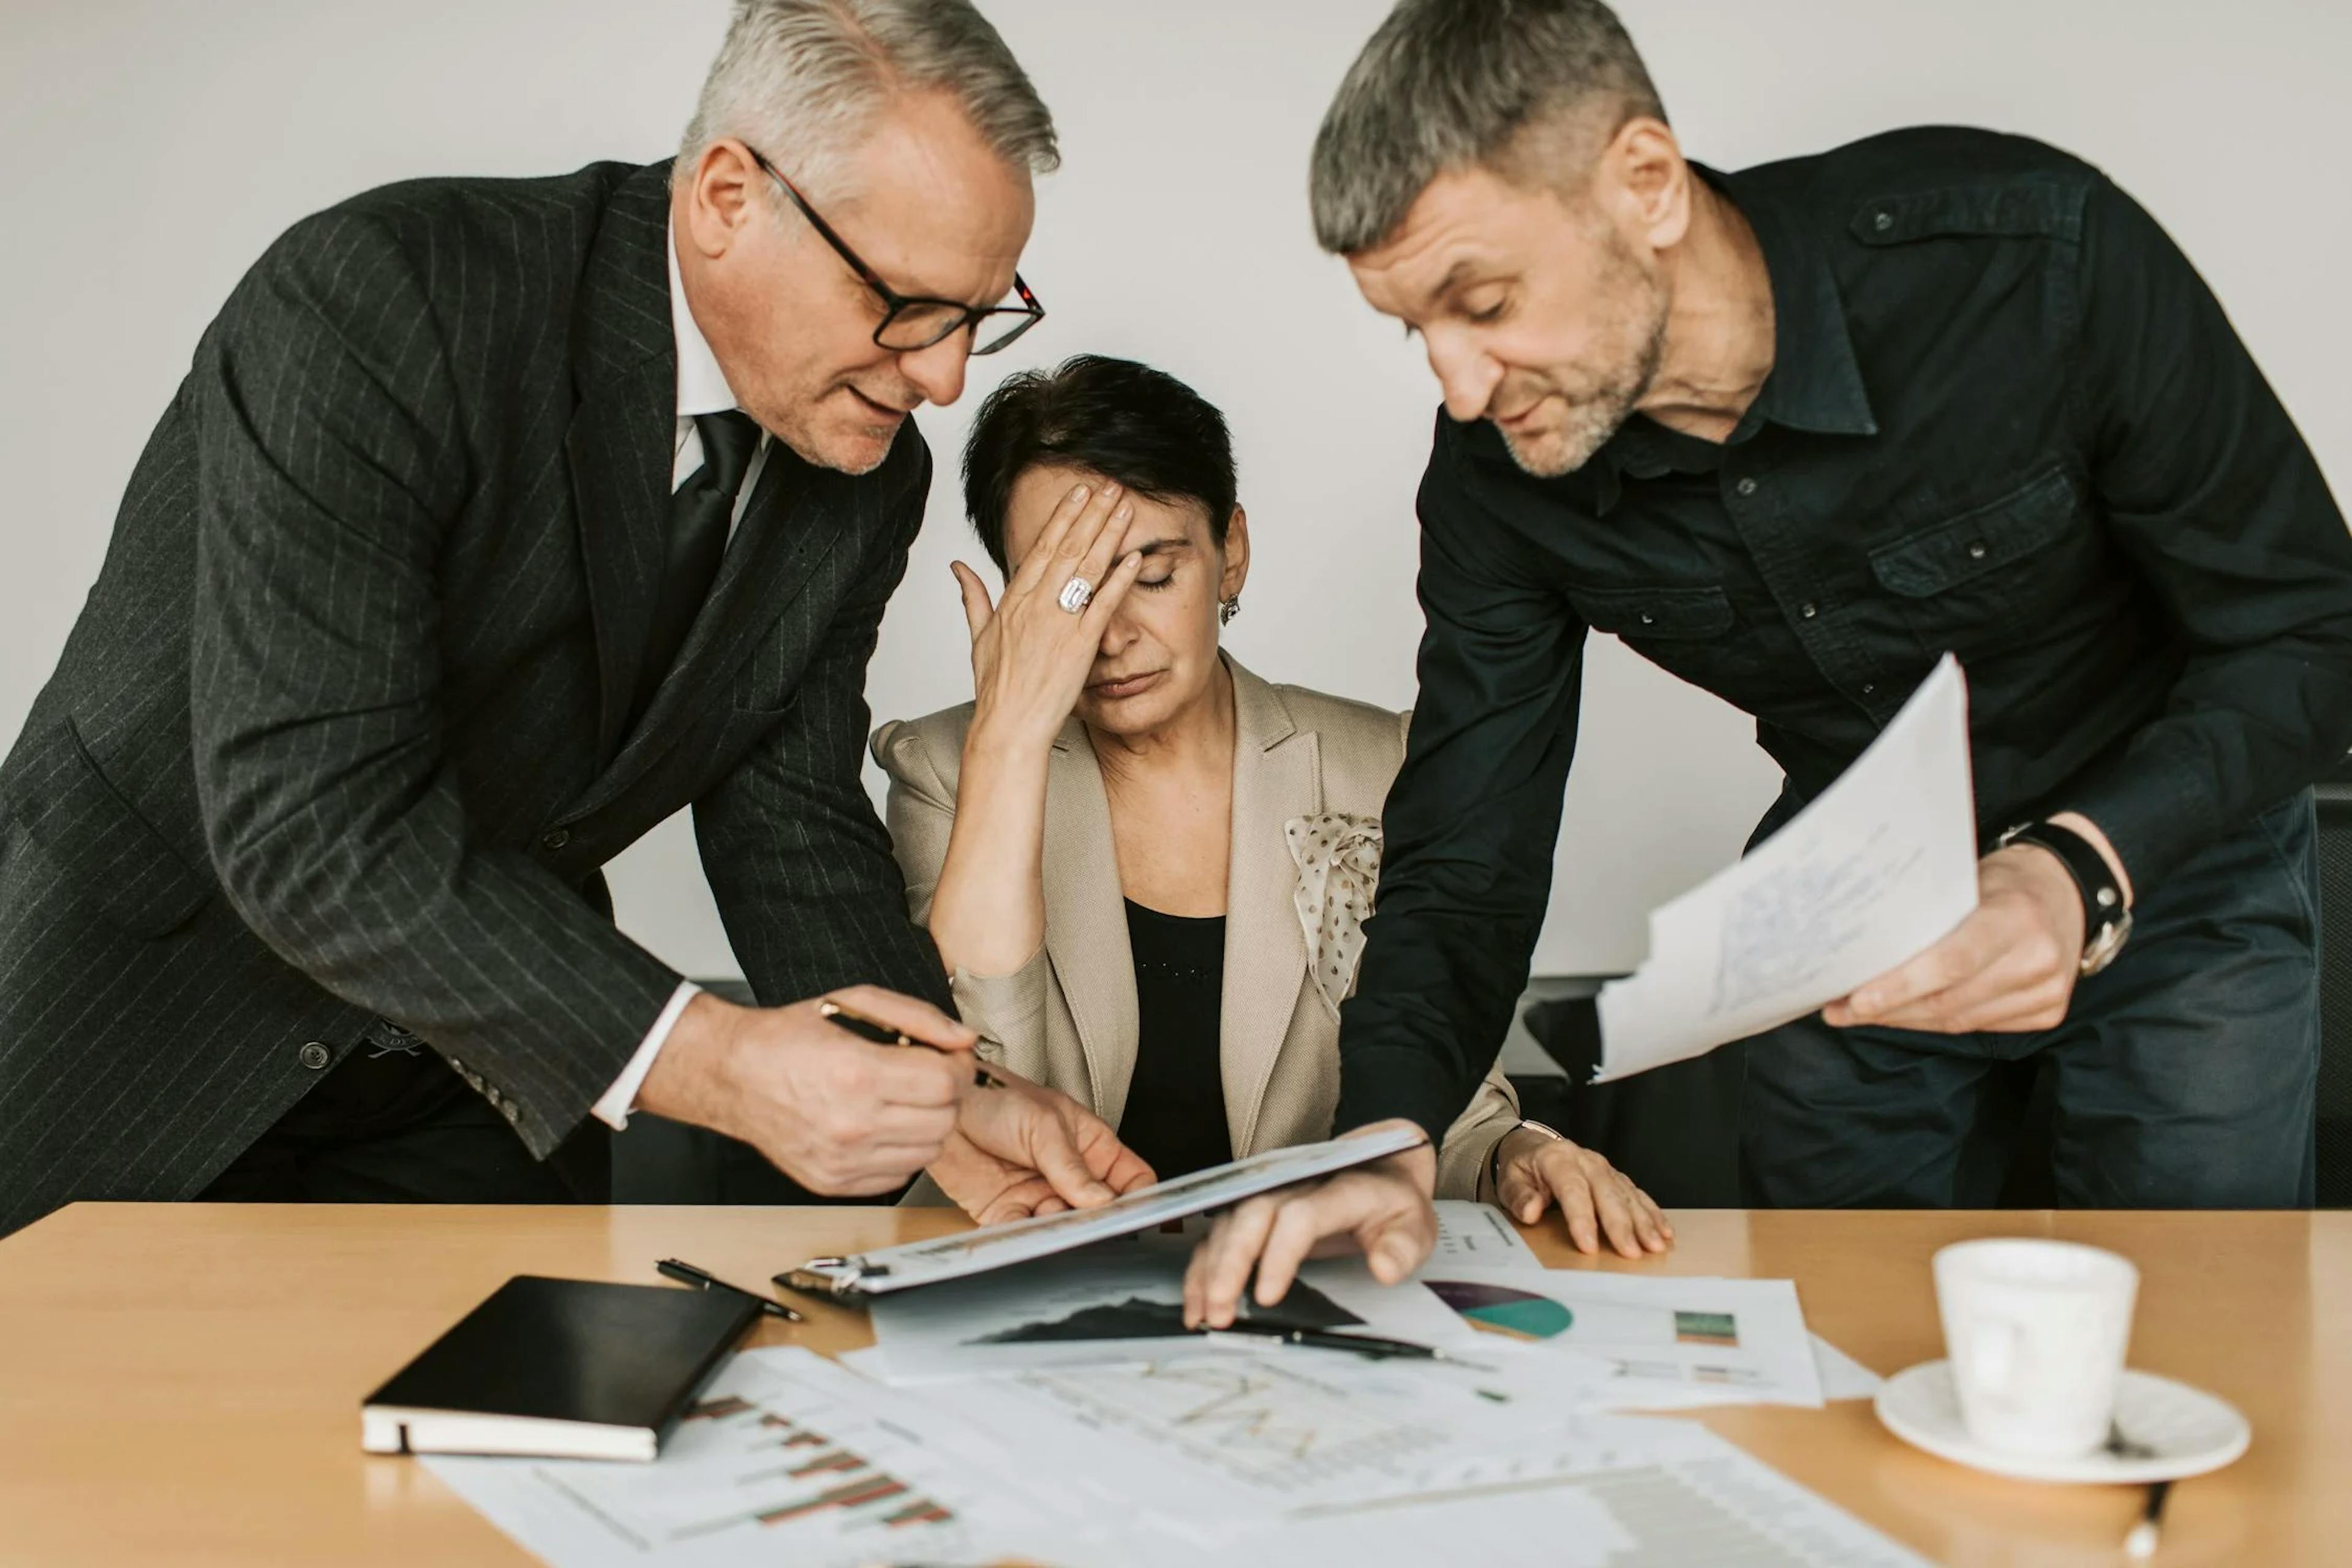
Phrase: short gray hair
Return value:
(1449, 84)
(802, 80)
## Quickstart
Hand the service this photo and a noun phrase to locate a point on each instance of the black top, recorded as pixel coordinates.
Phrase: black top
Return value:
(2005, 418)
(1175, 1115)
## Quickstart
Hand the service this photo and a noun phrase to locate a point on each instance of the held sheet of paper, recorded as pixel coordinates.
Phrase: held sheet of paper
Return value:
(1878, 869)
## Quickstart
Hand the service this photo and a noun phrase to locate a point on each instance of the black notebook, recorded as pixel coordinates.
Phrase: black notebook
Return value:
(558, 1368)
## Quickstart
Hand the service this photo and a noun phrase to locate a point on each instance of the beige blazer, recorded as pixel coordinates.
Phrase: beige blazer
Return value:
(1068, 1017)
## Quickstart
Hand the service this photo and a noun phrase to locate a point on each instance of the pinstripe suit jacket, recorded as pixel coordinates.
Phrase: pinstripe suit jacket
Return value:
(340, 736)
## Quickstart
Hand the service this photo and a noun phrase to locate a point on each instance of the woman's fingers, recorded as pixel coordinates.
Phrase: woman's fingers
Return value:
(1105, 604)
(977, 610)
(1036, 568)
(1612, 1202)
(1095, 560)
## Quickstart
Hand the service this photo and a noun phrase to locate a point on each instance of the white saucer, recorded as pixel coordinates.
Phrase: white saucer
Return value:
(2191, 1431)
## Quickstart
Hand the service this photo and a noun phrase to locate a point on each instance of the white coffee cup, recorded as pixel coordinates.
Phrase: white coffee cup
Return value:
(2036, 1332)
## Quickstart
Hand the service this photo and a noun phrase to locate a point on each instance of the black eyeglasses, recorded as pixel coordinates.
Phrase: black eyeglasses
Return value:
(908, 321)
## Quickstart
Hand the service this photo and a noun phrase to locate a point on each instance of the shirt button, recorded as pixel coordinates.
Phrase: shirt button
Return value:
(315, 1056)
(1883, 222)
(1746, 487)
(1808, 610)
(1648, 620)
(555, 839)
(1868, 687)
(1976, 550)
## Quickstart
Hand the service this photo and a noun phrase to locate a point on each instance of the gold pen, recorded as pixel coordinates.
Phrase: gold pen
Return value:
(883, 1034)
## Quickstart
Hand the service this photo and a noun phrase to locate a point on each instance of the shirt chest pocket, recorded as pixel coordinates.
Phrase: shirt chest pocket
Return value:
(1987, 578)
(1683, 630)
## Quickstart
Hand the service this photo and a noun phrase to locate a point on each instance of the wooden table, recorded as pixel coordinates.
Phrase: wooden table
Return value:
(182, 1383)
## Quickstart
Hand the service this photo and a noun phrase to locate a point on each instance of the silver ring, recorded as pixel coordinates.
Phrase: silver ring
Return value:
(1076, 595)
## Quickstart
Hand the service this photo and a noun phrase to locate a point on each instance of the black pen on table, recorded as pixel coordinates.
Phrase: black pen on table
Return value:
(687, 1274)
(2140, 1545)
(1326, 1340)
(883, 1034)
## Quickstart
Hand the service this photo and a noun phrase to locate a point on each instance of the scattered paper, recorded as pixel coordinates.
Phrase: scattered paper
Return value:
(785, 1459)
(1276, 1458)
(1878, 868)
(1843, 1377)
(965, 1253)
(1666, 1341)
(1222, 1439)
(1478, 1236)
(1120, 1300)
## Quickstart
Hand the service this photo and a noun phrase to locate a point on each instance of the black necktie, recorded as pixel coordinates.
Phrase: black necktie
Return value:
(699, 513)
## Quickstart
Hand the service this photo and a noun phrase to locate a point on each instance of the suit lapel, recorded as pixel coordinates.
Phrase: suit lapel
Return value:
(1277, 775)
(798, 514)
(1087, 941)
(620, 444)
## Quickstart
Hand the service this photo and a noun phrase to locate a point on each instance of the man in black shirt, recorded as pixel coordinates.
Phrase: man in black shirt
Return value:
(1792, 433)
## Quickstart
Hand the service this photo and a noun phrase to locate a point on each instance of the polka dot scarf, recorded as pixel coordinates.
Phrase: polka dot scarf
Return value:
(1338, 860)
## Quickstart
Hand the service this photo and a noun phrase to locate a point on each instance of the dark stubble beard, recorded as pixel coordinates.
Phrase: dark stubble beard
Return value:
(1595, 415)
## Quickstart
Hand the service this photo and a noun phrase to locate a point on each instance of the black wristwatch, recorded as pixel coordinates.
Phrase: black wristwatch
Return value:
(2106, 919)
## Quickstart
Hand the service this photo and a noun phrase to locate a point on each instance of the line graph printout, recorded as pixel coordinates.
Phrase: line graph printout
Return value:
(785, 1459)
(1673, 1495)
(1879, 867)
(1216, 1438)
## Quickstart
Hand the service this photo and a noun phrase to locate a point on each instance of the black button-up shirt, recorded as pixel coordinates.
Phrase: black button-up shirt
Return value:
(2005, 418)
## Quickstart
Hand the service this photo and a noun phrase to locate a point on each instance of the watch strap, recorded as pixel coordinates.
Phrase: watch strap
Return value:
(2102, 894)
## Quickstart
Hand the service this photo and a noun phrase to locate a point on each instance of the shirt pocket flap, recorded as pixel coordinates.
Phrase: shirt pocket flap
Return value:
(1649, 614)
(1983, 540)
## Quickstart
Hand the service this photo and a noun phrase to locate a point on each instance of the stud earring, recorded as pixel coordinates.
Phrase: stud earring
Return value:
(1228, 610)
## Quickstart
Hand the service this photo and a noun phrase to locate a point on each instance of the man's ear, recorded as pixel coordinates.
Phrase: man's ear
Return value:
(719, 199)
(1643, 176)
(1237, 556)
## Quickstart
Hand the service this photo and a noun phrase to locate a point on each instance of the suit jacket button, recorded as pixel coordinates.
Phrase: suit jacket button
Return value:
(555, 839)
(315, 1056)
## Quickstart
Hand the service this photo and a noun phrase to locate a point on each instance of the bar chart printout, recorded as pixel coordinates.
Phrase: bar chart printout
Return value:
(785, 1459)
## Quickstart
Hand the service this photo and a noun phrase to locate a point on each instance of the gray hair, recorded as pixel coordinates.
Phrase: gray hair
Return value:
(801, 80)
(1449, 84)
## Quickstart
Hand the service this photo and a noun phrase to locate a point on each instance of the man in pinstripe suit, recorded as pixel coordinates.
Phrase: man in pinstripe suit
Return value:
(495, 521)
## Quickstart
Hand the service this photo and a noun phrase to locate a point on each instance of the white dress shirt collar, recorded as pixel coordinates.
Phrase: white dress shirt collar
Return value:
(701, 386)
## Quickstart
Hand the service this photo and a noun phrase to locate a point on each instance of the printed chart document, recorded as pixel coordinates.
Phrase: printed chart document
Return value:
(1881, 867)
(1663, 1341)
(1120, 1300)
(786, 1457)
(1478, 1236)
(1221, 1438)
(893, 1269)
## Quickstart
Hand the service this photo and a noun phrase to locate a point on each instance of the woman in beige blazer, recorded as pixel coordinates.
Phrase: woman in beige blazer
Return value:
(1146, 868)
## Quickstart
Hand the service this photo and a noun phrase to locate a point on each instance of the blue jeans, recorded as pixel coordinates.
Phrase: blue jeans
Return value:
(2184, 1077)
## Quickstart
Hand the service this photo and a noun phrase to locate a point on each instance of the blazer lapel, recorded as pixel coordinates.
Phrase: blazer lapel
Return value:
(620, 444)
(797, 516)
(1277, 775)
(1087, 940)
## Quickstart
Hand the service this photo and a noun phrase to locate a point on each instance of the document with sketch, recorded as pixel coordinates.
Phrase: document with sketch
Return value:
(1878, 869)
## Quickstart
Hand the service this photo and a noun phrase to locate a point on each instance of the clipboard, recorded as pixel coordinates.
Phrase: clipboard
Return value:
(916, 1263)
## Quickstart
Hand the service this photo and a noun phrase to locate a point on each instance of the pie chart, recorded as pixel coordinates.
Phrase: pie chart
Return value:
(1502, 1309)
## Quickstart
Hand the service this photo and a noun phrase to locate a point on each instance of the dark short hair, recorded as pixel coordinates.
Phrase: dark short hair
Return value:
(1125, 421)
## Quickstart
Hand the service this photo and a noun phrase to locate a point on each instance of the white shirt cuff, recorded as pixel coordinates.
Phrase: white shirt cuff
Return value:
(614, 1106)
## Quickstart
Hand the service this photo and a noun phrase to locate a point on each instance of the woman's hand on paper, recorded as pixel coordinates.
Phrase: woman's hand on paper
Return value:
(1029, 657)
(1599, 1201)
(1383, 1210)
(1025, 1150)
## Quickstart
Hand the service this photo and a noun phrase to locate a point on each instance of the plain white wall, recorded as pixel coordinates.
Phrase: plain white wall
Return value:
(156, 148)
